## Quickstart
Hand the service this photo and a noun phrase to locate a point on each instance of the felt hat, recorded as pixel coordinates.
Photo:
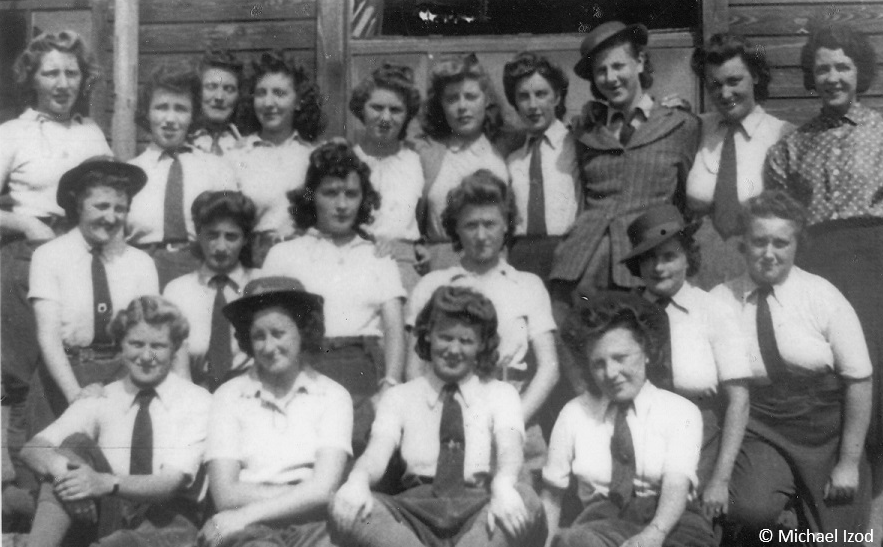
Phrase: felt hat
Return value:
(655, 227)
(130, 178)
(266, 292)
(602, 35)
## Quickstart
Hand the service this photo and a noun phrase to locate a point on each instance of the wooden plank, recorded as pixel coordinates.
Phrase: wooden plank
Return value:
(125, 79)
(785, 51)
(332, 57)
(168, 38)
(788, 82)
(795, 18)
(191, 11)
(799, 111)
(41, 5)
(832, 4)
(102, 33)
(715, 18)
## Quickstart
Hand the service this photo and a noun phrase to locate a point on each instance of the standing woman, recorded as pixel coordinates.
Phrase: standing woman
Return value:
(832, 165)
(216, 131)
(460, 119)
(274, 160)
(364, 349)
(735, 138)
(385, 102)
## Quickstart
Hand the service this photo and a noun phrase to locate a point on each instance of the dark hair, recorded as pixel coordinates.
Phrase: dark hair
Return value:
(173, 76)
(222, 59)
(525, 65)
(396, 78)
(209, 207)
(66, 41)
(854, 44)
(470, 307)
(155, 311)
(691, 249)
(454, 71)
(723, 47)
(645, 78)
(480, 188)
(335, 158)
(309, 120)
(310, 325)
(775, 204)
(96, 180)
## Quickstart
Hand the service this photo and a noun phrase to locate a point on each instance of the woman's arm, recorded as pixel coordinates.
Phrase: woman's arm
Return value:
(228, 492)
(32, 228)
(546, 376)
(506, 506)
(354, 500)
(672, 502)
(393, 338)
(856, 417)
(715, 497)
(52, 349)
(551, 498)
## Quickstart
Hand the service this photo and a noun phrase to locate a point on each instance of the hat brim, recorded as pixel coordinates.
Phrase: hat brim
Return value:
(71, 183)
(583, 67)
(649, 244)
(241, 312)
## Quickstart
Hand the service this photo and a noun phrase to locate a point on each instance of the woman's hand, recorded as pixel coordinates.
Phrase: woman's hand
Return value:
(507, 508)
(220, 527)
(648, 537)
(715, 499)
(92, 390)
(36, 230)
(843, 482)
(81, 482)
(422, 257)
(352, 503)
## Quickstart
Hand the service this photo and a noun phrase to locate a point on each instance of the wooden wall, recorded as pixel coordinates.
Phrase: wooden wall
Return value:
(781, 27)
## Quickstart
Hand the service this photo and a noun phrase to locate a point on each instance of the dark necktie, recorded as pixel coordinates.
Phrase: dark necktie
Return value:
(625, 134)
(103, 307)
(622, 452)
(141, 459)
(216, 144)
(766, 336)
(219, 354)
(726, 194)
(664, 377)
(174, 227)
(452, 447)
(536, 200)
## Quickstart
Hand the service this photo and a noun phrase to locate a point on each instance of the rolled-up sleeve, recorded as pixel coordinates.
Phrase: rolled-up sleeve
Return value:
(335, 427)
(683, 441)
(559, 463)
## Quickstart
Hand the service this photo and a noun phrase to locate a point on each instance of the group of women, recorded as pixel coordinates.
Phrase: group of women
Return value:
(358, 301)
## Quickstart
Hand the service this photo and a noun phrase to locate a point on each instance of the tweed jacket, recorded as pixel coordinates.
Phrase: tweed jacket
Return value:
(620, 182)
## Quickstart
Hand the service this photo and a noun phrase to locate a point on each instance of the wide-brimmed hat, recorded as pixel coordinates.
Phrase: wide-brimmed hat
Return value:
(600, 36)
(130, 177)
(655, 227)
(267, 292)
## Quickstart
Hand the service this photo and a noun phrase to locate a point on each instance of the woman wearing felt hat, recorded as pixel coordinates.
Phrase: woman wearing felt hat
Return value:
(279, 436)
(708, 362)
(78, 281)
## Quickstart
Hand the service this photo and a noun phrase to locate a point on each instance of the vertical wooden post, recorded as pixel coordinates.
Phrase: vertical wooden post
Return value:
(125, 77)
(332, 60)
(98, 110)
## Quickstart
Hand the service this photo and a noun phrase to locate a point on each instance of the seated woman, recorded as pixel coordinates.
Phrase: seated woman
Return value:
(215, 131)
(459, 432)
(223, 221)
(708, 361)
(811, 407)
(631, 447)
(364, 345)
(122, 469)
(279, 436)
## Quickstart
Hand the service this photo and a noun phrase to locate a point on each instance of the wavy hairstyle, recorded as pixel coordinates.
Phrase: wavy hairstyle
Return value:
(175, 76)
(223, 59)
(775, 204)
(209, 207)
(335, 158)
(453, 71)
(396, 78)
(636, 49)
(839, 36)
(309, 119)
(721, 48)
(66, 41)
(525, 65)
(154, 311)
(480, 188)
(310, 325)
(688, 244)
(91, 180)
(470, 307)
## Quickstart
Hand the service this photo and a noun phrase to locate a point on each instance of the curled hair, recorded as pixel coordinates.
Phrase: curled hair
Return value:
(455, 71)
(723, 47)
(66, 41)
(222, 59)
(854, 44)
(173, 76)
(337, 159)
(309, 120)
(775, 204)
(645, 77)
(154, 311)
(396, 78)
(479, 189)
(691, 249)
(92, 180)
(525, 65)
(310, 325)
(470, 307)
(209, 207)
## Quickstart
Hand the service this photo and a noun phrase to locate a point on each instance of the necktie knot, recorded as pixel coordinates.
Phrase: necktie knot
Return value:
(219, 281)
(763, 291)
(144, 396)
(663, 301)
(449, 390)
(173, 153)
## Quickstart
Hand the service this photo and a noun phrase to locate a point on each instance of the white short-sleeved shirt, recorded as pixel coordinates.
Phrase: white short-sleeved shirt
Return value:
(196, 299)
(666, 431)
(522, 303)
(276, 441)
(36, 150)
(398, 179)
(560, 179)
(352, 279)
(706, 345)
(201, 172)
(61, 271)
(179, 415)
(267, 172)
(816, 327)
(410, 415)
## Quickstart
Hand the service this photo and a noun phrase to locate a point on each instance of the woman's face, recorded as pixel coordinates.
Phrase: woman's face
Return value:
(221, 242)
(617, 364)
(536, 101)
(220, 91)
(731, 87)
(453, 349)
(482, 232)
(103, 214)
(147, 351)
(664, 268)
(275, 101)
(465, 105)
(170, 116)
(836, 79)
(617, 74)
(384, 116)
(57, 83)
(770, 246)
(337, 203)
(275, 342)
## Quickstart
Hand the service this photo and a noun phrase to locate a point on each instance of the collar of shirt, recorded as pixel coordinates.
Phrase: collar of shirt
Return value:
(644, 106)
(685, 299)
(641, 403)
(110, 251)
(468, 388)
(502, 268)
(254, 140)
(356, 241)
(749, 125)
(857, 114)
(305, 383)
(165, 391)
(747, 288)
(478, 147)
(154, 153)
(35, 115)
(554, 136)
(366, 157)
(237, 276)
